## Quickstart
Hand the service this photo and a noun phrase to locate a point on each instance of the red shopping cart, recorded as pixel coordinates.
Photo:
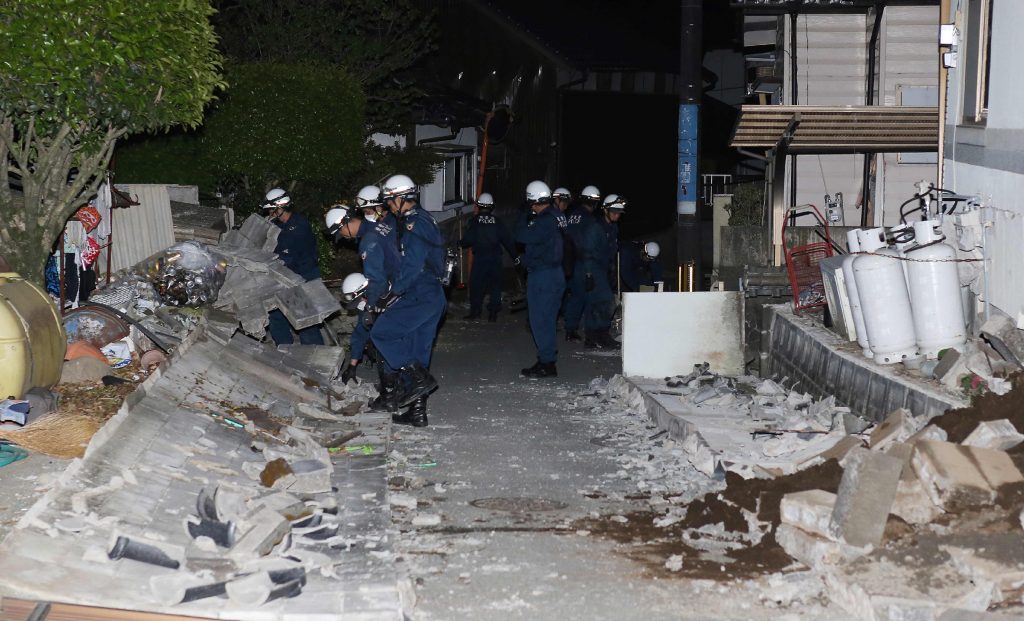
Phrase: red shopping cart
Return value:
(802, 262)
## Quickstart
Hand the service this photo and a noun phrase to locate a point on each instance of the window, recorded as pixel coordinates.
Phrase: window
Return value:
(976, 62)
(453, 185)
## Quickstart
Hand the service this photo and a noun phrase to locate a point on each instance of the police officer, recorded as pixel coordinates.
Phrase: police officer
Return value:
(378, 250)
(601, 247)
(296, 247)
(540, 231)
(486, 236)
(410, 311)
(578, 219)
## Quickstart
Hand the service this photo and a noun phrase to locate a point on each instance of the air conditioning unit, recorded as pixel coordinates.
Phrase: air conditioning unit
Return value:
(837, 297)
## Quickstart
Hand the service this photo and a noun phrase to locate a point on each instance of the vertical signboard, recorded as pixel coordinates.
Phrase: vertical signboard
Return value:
(686, 177)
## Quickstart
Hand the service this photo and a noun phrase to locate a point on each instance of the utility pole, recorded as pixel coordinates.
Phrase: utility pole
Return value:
(688, 238)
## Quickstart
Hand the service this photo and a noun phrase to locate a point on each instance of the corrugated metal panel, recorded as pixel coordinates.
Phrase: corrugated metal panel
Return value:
(144, 229)
(832, 60)
(840, 129)
(909, 57)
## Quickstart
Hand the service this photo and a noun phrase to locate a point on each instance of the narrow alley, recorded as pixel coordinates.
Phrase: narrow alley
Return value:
(537, 499)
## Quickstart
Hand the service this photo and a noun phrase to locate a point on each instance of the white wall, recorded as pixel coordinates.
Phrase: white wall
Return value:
(988, 161)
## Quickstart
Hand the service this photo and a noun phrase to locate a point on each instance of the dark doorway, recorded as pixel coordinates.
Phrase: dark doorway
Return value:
(624, 144)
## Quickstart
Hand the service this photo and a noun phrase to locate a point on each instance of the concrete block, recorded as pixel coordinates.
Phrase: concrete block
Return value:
(816, 552)
(897, 427)
(962, 474)
(1006, 573)
(83, 370)
(841, 449)
(1000, 435)
(865, 496)
(809, 510)
(283, 503)
(912, 503)
(930, 432)
(1005, 329)
(265, 528)
(307, 304)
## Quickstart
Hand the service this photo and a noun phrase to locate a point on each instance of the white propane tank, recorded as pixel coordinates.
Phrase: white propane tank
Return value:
(884, 299)
(853, 245)
(935, 292)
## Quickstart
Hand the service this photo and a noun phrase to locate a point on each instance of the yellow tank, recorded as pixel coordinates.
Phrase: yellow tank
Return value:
(32, 341)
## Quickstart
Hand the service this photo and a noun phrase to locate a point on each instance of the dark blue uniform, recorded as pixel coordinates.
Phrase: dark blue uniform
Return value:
(578, 219)
(542, 236)
(486, 236)
(600, 247)
(378, 248)
(636, 269)
(404, 334)
(296, 247)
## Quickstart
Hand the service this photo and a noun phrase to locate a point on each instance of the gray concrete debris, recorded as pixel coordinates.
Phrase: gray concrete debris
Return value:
(865, 497)
(263, 529)
(958, 614)
(809, 510)
(813, 551)
(953, 473)
(1010, 337)
(86, 369)
(912, 504)
(1000, 435)
(897, 427)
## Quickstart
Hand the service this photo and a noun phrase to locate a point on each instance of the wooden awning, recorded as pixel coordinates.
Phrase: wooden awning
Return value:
(839, 129)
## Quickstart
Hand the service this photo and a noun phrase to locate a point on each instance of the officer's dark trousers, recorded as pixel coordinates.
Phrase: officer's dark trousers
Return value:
(576, 301)
(544, 289)
(281, 331)
(358, 340)
(600, 300)
(405, 332)
(485, 280)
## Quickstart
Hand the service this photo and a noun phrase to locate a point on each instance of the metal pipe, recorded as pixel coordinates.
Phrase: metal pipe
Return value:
(870, 100)
(795, 96)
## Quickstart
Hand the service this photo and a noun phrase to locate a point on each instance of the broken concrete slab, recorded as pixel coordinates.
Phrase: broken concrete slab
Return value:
(865, 496)
(897, 427)
(999, 435)
(912, 503)
(809, 510)
(929, 432)
(84, 369)
(307, 304)
(813, 551)
(1006, 573)
(1010, 336)
(955, 474)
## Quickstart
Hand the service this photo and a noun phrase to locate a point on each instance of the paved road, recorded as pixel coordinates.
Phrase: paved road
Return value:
(526, 443)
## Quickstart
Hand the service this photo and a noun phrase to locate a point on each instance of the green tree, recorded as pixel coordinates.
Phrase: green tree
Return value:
(75, 76)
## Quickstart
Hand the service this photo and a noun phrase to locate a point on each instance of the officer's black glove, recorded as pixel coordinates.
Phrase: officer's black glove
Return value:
(517, 261)
(349, 374)
(531, 216)
(386, 301)
(588, 283)
(358, 304)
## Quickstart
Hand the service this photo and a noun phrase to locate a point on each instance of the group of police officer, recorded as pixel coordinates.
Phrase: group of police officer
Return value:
(568, 252)
(399, 293)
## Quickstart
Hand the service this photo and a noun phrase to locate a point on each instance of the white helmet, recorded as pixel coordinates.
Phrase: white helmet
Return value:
(614, 202)
(562, 193)
(538, 192)
(336, 217)
(652, 249)
(368, 197)
(354, 285)
(398, 186)
(591, 192)
(276, 198)
(485, 200)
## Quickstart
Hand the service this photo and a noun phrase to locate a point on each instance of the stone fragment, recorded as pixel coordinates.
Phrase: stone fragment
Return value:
(810, 510)
(1000, 435)
(426, 519)
(264, 529)
(962, 474)
(957, 614)
(816, 552)
(912, 504)
(84, 369)
(1007, 574)
(897, 427)
(181, 587)
(853, 423)
(1009, 335)
(311, 476)
(841, 449)
(865, 497)
(283, 503)
(930, 432)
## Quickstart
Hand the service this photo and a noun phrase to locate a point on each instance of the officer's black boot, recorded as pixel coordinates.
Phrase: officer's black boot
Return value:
(572, 335)
(416, 415)
(386, 401)
(540, 370)
(415, 382)
(592, 340)
(606, 340)
(492, 316)
(473, 314)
